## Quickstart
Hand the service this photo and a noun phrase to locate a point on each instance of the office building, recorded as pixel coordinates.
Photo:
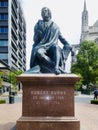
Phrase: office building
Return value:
(12, 34)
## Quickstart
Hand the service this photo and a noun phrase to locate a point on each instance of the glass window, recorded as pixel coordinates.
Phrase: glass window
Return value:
(3, 4)
(3, 56)
(3, 16)
(3, 29)
(3, 42)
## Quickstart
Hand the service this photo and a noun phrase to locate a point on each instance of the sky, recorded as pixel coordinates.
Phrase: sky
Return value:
(65, 13)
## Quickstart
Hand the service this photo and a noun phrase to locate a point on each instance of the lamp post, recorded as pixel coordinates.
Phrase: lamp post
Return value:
(11, 95)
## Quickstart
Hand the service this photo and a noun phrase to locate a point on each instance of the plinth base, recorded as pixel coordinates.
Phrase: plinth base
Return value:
(48, 102)
(48, 123)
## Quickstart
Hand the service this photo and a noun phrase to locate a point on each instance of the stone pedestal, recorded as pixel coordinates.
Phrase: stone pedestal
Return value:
(48, 102)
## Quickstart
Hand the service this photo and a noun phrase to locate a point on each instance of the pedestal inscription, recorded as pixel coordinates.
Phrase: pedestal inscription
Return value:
(52, 97)
(48, 98)
(49, 102)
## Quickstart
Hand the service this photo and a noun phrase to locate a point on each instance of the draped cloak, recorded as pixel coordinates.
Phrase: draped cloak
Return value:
(45, 37)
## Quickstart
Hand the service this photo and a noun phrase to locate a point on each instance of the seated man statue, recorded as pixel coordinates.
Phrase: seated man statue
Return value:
(46, 53)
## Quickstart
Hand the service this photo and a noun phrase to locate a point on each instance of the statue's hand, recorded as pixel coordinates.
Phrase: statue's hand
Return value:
(67, 47)
(66, 50)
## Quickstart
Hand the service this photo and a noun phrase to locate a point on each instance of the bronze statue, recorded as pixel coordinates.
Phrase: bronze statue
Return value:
(46, 53)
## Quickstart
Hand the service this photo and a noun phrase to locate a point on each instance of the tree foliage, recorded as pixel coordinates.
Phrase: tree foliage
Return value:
(13, 77)
(87, 62)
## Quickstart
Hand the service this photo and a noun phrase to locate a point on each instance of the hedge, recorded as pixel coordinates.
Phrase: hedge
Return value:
(94, 101)
(2, 101)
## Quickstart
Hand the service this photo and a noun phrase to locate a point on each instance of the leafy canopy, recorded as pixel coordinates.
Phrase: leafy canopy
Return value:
(87, 62)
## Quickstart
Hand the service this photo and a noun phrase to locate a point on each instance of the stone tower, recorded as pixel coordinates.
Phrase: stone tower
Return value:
(88, 33)
(84, 26)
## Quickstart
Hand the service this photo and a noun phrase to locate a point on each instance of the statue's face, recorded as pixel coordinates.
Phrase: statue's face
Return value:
(46, 14)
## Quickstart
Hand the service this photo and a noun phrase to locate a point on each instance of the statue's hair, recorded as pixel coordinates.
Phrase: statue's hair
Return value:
(48, 10)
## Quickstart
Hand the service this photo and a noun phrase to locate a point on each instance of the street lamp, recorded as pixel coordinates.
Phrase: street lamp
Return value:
(11, 94)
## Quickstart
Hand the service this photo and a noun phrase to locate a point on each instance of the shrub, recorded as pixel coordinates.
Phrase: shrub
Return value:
(94, 101)
(2, 101)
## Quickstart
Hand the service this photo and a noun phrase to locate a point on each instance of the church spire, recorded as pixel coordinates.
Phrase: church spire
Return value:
(84, 18)
(84, 27)
(85, 5)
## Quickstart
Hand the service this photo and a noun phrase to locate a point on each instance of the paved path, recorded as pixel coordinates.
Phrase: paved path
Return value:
(9, 113)
(85, 112)
(88, 115)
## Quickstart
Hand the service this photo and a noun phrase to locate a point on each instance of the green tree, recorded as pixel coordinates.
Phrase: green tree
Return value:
(87, 62)
(13, 79)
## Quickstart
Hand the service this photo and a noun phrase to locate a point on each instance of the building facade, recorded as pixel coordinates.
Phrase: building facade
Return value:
(12, 34)
(89, 33)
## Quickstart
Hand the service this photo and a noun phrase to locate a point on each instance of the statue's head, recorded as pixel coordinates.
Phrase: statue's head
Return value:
(46, 13)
